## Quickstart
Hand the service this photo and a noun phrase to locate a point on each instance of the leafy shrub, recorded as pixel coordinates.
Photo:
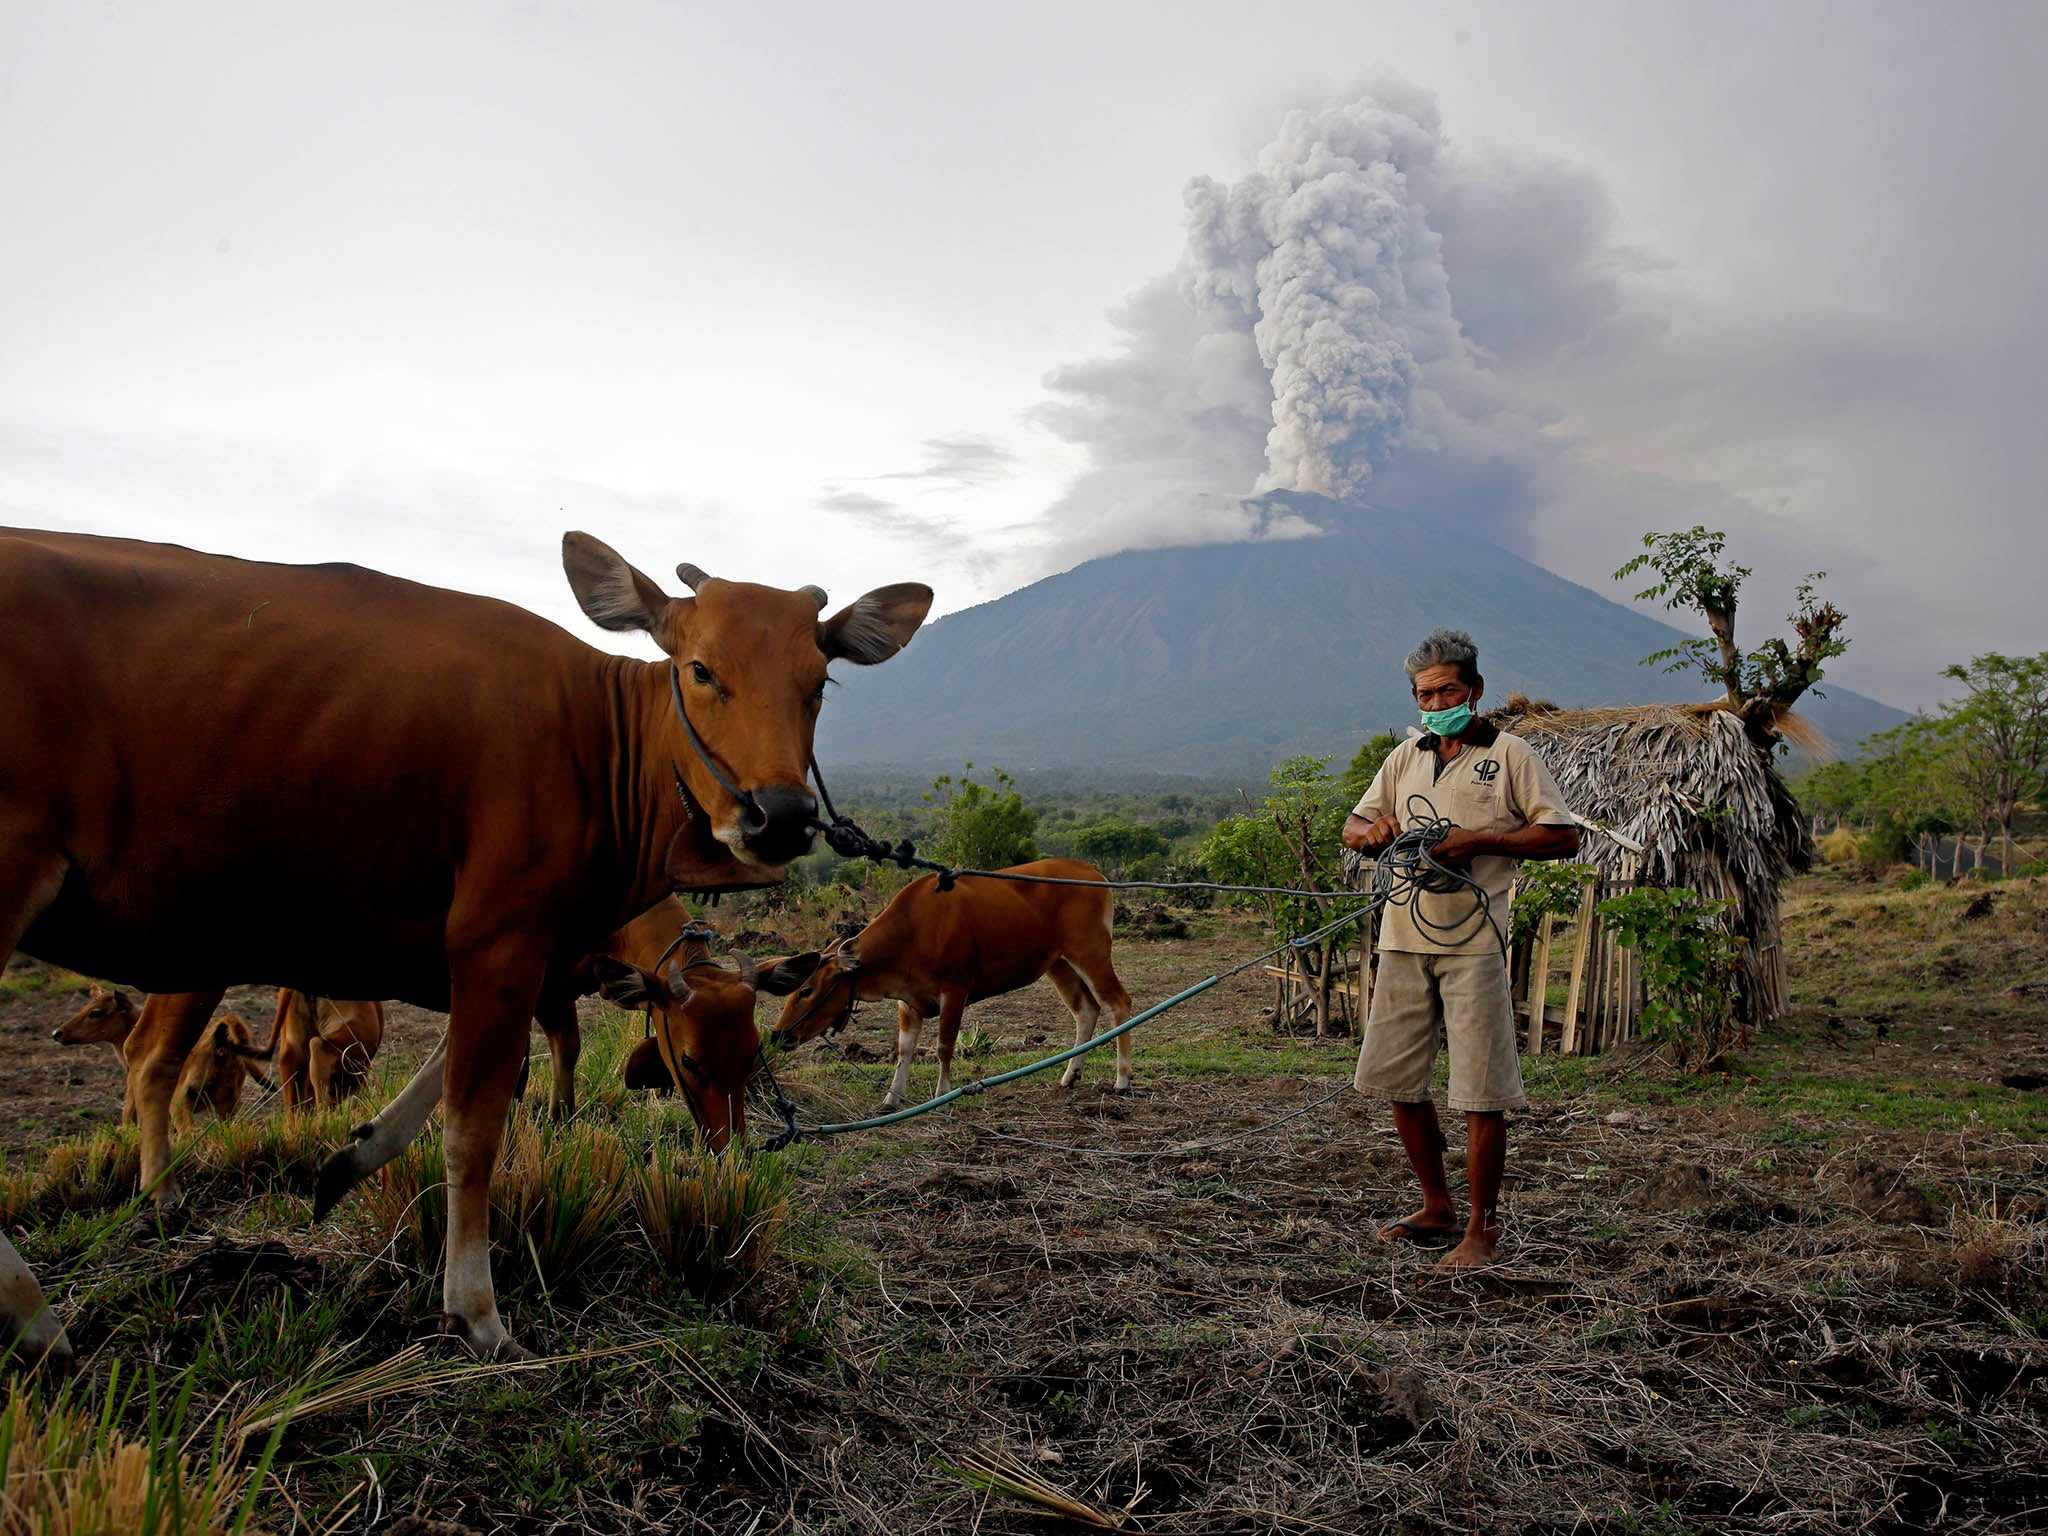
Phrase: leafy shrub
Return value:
(1885, 843)
(1913, 879)
(1188, 872)
(1687, 959)
(1293, 839)
(1540, 889)
(1115, 846)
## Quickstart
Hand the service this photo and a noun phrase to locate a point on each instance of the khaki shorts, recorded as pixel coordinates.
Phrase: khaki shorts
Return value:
(1465, 994)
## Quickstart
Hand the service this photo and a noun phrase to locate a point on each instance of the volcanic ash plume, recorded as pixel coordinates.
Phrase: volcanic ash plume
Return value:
(1326, 256)
(1307, 341)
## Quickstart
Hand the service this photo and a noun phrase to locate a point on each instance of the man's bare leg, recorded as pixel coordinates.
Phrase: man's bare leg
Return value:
(1423, 1140)
(1486, 1157)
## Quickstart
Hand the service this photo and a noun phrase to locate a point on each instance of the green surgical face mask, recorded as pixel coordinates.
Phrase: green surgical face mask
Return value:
(1448, 722)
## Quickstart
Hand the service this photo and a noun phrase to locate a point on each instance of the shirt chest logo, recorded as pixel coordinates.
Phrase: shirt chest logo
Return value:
(1487, 770)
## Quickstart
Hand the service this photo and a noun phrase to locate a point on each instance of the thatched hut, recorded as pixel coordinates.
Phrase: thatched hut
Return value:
(1701, 796)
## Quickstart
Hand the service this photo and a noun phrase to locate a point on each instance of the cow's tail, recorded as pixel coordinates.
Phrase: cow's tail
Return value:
(231, 1038)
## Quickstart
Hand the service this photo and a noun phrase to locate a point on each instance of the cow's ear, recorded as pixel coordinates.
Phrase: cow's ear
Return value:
(785, 976)
(612, 593)
(626, 985)
(875, 627)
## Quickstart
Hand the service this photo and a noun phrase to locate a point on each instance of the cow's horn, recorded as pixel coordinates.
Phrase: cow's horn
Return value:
(750, 973)
(848, 957)
(691, 576)
(816, 595)
(679, 988)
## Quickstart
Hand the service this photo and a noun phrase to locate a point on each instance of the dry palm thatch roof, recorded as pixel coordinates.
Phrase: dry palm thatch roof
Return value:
(1703, 799)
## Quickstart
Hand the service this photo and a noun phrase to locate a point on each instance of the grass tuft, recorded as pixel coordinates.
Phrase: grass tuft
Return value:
(999, 1473)
(714, 1222)
(69, 1470)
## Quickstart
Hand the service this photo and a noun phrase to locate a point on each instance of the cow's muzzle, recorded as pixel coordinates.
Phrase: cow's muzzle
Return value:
(777, 824)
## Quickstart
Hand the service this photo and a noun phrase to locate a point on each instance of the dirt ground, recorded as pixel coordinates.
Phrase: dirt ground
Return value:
(1806, 1294)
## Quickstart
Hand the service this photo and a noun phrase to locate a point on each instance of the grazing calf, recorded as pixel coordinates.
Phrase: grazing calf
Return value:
(934, 952)
(704, 1038)
(212, 1077)
(321, 1048)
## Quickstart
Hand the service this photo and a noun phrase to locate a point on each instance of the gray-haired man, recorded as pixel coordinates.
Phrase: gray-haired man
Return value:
(1439, 966)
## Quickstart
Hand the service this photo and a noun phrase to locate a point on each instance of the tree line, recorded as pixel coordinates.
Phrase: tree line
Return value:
(1973, 765)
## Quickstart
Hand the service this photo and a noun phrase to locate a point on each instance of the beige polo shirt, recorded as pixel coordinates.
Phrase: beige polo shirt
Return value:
(1496, 783)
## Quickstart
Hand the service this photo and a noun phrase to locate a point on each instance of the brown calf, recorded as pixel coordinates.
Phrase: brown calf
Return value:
(934, 952)
(463, 798)
(321, 1048)
(213, 1072)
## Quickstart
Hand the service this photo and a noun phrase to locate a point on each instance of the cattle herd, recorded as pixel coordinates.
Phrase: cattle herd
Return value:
(482, 814)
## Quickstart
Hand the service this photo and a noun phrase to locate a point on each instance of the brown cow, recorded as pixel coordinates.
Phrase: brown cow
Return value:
(213, 1072)
(463, 798)
(934, 952)
(321, 1048)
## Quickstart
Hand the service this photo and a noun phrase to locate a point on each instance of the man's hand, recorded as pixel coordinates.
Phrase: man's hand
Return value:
(1461, 845)
(1370, 835)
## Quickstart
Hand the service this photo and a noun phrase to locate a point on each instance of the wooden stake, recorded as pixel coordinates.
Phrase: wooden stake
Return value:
(1568, 1042)
(1539, 987)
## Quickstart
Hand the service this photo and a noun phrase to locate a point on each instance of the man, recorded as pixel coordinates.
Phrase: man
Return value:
(1441, 963)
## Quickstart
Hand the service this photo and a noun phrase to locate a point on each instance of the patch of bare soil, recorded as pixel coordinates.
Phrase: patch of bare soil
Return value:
(1213, 1340)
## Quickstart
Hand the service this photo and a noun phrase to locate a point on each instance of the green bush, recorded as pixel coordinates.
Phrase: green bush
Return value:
(982, 826)
(1540, 889)
(1116, 846)
(1686, 957)
(1884, 844)
(714, 1222)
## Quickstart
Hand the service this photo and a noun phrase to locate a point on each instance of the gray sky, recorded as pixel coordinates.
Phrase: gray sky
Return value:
(846, 294)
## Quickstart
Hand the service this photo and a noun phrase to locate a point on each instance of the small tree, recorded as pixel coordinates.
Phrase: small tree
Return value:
(1759, 686)
(982, 826)
(1291, 839)
(1999, 734)
(1365, 762)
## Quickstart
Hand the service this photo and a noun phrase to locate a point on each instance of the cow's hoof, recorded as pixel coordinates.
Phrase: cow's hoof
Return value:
(493, 1344)
(337, 1175)
(1123, 1088)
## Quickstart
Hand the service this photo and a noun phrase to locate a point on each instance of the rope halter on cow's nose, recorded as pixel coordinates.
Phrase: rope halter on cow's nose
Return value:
(752, 818)
(850, 842)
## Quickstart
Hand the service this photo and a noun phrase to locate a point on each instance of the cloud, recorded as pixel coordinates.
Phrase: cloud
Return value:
(933, 534)
(963, 460)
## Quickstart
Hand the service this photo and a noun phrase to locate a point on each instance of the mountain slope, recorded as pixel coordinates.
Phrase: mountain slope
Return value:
(1224, 658)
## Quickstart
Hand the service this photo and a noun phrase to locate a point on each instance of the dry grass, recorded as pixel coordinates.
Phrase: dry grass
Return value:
(714, 1222)
(74, 1471)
